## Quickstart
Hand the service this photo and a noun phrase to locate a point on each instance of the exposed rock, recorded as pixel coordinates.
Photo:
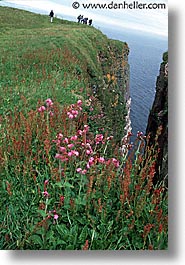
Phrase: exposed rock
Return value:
(159, 117)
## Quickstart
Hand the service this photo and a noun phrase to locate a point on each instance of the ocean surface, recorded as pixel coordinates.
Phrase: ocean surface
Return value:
(145, 58)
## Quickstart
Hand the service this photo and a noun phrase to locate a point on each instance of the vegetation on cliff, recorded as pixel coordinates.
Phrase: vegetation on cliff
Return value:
(64, 183)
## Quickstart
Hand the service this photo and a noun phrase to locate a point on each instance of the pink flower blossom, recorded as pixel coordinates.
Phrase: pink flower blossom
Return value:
(80, 132)
(46, 181)
(58, 156)
(76, 153)
(55, 216)
(49, 102)
(101, 160)
(74, 138)
(115, 162)
(74, 112)
(84, 172)
(70, 153)
(79, 102)
(45, 193)
(41, 109)
(66, 141)
(99, 138)
(61, 157)
(90, 162)
(62, 149)
(71, 116)
(70, 146)
(60, 136)
(51, 114)
(86, 127)
(91, 159)
(64, 158)
(79, 170)
(88, 152)
(110, 138)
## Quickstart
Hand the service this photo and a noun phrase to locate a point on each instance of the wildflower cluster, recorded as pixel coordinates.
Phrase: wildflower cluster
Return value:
(82, 185)
(74, 109)
(47, 107)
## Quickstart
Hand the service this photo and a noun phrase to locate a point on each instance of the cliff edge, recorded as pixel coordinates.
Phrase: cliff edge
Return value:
(158, 118)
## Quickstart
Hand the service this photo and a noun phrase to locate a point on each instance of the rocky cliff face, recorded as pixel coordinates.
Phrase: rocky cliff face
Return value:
(158, 118)
(113, 89)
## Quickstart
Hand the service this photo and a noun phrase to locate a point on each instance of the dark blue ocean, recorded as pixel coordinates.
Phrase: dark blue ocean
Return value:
(145, 58)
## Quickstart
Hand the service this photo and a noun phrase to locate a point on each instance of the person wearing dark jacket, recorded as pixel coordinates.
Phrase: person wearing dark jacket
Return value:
(51, 14)
(80, 18)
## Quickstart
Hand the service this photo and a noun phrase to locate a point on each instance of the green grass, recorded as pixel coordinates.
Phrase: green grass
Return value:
(39, 60)
(46, 201)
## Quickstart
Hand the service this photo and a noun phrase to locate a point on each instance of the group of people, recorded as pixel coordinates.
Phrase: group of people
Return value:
(84, 20)
(81, 19)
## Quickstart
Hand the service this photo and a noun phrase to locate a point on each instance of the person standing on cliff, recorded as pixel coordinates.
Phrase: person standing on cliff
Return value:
(51, 14)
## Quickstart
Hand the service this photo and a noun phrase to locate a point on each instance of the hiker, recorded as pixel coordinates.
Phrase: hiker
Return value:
(85, 20)
(90, 22)
(80, 18)
(51, 14)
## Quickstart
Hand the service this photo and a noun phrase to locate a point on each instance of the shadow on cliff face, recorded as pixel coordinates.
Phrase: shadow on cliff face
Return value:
(158, 118)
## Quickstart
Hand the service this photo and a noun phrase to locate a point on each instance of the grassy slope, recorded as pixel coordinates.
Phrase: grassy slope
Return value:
(39, 59)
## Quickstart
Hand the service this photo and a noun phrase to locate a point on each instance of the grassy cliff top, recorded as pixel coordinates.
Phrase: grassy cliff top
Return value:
(40, 59)
(62, 60)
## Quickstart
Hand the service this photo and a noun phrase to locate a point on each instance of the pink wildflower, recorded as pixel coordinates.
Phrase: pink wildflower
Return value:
(90, 162)
(70, 153)
(49, 102)
(80, 132)
(101, 160)
(46, 181)
(41, 109)
(79, 170)
(86, 128)
(70, 146)
(74, 138)
(88, 152)
(63, 158)
(62, 149)
(74, 112)
(84, 172)
(58, 156)
(60, 136)
(76, 153)
(45, 193)
(99, 138)
(115, 162)
(70, 116)
(45, 185)
(55, 216)
(66, 141)
(110, 138)
(79, 102)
